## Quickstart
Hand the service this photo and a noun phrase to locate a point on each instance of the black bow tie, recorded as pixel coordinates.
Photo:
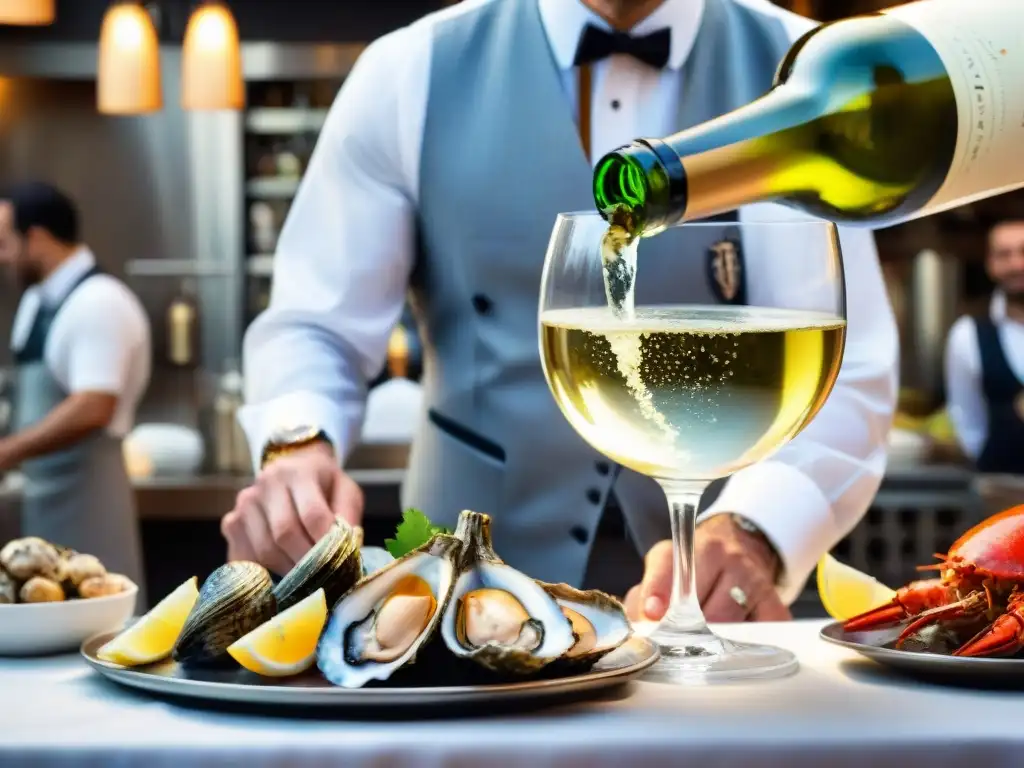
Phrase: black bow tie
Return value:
(596, 44)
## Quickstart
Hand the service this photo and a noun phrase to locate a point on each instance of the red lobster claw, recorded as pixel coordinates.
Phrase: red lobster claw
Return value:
(1004, 636)
(911, 600)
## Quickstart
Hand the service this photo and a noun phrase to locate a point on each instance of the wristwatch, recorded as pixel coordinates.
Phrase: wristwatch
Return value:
(749, 526)
(290, 439)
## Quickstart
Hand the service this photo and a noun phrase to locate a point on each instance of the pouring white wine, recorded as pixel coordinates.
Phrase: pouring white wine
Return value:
(690, 392)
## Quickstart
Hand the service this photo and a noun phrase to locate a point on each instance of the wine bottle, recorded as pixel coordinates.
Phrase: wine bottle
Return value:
(872, 120)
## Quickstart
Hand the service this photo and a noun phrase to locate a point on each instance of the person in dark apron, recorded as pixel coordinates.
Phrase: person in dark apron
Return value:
(80, 343)
(985, 363)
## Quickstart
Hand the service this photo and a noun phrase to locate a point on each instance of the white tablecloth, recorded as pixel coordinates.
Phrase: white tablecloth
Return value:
(838, 711)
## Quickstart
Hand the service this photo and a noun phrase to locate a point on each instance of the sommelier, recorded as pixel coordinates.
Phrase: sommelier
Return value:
(445, 159)
(985, 362)
(81, 342)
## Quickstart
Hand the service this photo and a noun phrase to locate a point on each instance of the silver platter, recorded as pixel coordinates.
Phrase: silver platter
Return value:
(876, 645)
(311, 690)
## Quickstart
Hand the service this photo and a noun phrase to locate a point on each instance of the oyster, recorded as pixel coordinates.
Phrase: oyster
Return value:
(599, 623)
(40, 589)
(333, 564)
(8, 588)
(375, 558)
(31, 556)
(234, 600)
(384, 622)
(498, 617)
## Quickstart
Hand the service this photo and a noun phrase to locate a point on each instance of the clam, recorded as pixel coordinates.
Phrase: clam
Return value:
(31, 556)
(234, 600)
(332, 564)
(77, 568)
(8, 588)
(499, 617)
(385, 621)
(599, 623)
(40, 589)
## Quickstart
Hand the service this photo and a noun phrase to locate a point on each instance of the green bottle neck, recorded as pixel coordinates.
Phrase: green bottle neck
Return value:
(733, 160)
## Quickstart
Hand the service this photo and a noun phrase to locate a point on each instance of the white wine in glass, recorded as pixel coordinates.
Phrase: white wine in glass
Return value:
(689, 392)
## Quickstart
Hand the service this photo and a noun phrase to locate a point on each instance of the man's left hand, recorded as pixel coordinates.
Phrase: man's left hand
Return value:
(726, 557)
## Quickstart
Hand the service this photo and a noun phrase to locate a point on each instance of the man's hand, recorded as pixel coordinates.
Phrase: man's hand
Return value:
(292, 504)
(726, 557)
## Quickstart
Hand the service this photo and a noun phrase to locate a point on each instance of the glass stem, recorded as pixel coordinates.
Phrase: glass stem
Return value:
(684, 614)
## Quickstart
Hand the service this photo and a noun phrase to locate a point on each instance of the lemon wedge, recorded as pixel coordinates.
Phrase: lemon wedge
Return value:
(846, 592)
(285, 645)
(152, 637)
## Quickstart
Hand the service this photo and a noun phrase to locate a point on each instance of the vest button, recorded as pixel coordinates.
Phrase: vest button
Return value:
(603, 468)
(594, 496)
(616, 104)
(579, 533)
(482, 304)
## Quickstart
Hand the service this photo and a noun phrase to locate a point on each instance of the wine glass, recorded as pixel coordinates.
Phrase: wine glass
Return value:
(686, 387)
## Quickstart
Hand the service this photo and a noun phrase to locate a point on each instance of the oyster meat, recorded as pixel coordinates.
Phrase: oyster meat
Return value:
(332, 564)
(31, 556)
(599, 623)
(498, 617)
(234, 600)
(385, 620)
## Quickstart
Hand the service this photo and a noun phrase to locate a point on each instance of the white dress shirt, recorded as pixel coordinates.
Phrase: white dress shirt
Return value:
(98, 342)
(965, 398)
(347, 248)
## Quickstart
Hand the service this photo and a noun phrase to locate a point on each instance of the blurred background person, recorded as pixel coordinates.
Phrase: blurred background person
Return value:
(985, 362)
(81, 345)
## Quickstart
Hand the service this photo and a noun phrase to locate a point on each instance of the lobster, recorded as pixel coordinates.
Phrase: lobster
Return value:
(981, 582)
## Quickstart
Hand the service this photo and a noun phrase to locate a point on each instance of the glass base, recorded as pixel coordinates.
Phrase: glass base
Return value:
(702, 657)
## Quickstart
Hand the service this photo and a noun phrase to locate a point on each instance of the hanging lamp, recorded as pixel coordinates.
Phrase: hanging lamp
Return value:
(28, 13)
(128, 77)
(211, 60)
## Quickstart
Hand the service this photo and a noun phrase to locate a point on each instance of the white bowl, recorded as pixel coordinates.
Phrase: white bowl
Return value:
(32, 629)
(170, 449)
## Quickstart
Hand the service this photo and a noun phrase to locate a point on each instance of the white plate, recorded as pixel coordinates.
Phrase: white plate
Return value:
(312, 690)
(32, 629)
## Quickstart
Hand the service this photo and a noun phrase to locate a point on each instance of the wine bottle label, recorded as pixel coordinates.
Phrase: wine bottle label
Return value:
(980, 45)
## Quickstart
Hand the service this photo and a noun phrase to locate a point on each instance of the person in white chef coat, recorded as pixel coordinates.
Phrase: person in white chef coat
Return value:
(449, 151)
(985, 362)
(81, 344)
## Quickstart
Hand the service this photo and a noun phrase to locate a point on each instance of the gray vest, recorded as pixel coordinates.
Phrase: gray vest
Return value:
(501, 158)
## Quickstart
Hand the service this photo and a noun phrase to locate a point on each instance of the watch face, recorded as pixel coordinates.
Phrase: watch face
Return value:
(293, 435)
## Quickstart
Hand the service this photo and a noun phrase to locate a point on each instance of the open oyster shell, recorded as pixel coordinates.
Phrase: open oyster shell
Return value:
(333, 563)
(385, 621)
(234, 600)
(499, 617)
(599, 623)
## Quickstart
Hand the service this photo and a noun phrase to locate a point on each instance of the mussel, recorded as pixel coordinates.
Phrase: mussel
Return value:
(499, 617)
(235, 599)
(383, 623)
(333, 564)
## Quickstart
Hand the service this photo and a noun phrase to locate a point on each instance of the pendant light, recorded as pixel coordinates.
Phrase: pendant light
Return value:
(128, 77)
(211, 60)
(29, 13)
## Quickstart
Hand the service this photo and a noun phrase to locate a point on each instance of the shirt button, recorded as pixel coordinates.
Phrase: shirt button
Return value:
(616, 104)
(594, 496)
(603, 468)
(482, 304)
(580, 533)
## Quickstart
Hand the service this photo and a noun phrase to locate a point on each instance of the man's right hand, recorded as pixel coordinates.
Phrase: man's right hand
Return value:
(293, 503)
